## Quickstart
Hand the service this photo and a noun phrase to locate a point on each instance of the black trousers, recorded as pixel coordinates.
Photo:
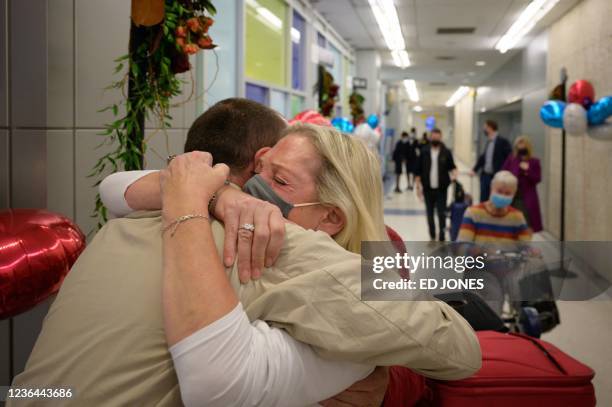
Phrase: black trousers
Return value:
(485, 186)
(435, 200)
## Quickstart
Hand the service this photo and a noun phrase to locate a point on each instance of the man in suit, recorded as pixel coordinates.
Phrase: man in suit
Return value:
(435, 171)
(492, 158)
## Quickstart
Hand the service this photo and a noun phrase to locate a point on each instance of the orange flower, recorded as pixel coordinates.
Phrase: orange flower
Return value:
(206, 42)
(181, 31)
(206, 23)
(190, 49)
(194, 24)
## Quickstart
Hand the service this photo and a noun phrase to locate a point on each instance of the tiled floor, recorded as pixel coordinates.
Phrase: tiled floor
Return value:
(586, 327)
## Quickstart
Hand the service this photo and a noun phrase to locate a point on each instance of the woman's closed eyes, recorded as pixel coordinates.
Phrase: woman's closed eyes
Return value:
(280, 181)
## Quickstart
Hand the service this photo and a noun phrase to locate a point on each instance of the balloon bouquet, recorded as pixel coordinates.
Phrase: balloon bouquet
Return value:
(582, 114)
(344, 124)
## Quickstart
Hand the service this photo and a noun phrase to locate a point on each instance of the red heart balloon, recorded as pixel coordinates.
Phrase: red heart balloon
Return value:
(37, 249)
(581, 92)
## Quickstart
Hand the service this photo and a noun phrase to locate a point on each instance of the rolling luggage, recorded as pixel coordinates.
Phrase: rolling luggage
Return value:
(461, 201)
(474, 310)
(518, 370)
(457, 209)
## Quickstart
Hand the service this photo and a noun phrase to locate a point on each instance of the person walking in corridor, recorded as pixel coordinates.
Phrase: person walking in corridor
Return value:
(526, 168)
(400, 157)
(435, 170)
(492, 158)
(412, 157)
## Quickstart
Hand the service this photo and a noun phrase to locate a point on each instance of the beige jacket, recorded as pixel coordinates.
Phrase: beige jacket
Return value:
(103, 336)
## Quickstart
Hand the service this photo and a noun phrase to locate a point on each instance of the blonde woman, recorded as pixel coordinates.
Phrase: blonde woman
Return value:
(526, 168)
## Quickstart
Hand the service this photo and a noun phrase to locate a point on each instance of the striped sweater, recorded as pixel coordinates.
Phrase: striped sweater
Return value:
(480, 226)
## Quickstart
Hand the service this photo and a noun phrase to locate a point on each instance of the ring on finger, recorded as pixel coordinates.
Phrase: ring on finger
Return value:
(247, 226)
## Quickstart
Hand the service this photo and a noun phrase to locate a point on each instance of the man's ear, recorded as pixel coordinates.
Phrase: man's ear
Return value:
(258, 154)
(333, 222)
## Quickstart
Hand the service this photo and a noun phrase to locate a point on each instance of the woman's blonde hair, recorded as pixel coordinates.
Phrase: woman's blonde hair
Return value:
(350, 180)
(525, 140)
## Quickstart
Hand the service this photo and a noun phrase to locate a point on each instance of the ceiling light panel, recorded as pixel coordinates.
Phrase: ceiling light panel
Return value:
(459, 94)
(411, 89)
(524, 23)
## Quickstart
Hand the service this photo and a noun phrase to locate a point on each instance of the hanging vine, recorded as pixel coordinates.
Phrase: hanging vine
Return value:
(157, 54)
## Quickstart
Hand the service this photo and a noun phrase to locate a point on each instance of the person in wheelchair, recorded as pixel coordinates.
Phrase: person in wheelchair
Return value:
(495, 221)
(496, 228)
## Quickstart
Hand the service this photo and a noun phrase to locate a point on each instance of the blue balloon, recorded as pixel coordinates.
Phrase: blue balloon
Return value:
(343, 124)
(373, 121)
(551, 113)
(600, 111)
(430, 123)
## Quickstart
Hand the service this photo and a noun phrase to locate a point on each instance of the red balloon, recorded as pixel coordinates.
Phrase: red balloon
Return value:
(582, 92)
(312, 117)
(37, 249)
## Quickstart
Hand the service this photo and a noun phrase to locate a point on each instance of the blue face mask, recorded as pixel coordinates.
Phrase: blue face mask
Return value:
(257, 187)
(501, 201)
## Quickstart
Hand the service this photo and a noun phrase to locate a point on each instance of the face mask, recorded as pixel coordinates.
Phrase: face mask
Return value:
(523, 151)
(258, 188)
(500, 201)
(435, 143)
(405, 140)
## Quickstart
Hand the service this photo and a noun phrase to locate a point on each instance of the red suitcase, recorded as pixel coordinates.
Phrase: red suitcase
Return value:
(518, 370)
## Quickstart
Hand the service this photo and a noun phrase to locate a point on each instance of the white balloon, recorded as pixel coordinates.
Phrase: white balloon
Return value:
(575, 119)
(602, 132)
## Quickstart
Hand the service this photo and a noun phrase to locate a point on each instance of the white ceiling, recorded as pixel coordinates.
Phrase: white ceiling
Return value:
(420, 19)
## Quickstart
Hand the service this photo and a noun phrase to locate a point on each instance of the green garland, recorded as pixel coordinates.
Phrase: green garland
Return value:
(356, 100)
(152, 67)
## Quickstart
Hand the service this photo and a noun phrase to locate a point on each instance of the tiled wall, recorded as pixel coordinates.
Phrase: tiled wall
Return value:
(581, 41)
(56, 58)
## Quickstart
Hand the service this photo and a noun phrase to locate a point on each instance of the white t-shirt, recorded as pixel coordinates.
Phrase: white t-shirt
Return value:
(434, 179)
(234, 362)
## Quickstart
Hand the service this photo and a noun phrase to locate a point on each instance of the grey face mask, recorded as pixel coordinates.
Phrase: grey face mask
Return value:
(258, 188)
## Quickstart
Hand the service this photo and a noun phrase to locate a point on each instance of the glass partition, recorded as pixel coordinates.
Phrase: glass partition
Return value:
(266, 34)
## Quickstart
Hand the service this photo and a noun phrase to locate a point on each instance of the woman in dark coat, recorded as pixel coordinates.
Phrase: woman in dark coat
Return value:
(527, 169)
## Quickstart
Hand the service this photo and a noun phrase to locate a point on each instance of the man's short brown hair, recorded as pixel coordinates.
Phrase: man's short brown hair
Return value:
(492, 124)
(233, 130)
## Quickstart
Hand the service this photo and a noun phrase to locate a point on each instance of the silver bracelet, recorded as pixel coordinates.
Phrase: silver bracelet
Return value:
(176, 223)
